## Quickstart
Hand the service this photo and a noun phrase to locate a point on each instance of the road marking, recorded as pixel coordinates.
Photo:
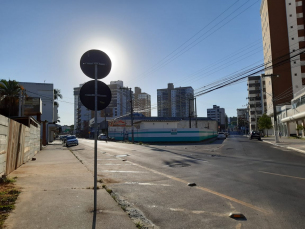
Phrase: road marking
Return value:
(116, 171)
(205, 189)
(165, 185)
(301, 178)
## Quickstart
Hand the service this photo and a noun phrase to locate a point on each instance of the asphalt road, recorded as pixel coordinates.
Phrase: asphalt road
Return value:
(259, 180)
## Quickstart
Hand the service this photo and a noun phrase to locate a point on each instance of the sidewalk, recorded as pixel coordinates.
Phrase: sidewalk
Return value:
(293, 144)
(55, 194)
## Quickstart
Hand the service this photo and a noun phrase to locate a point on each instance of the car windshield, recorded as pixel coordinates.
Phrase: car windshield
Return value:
(71, 137)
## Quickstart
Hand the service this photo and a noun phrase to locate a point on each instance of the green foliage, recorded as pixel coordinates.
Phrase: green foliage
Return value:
(299, 127)
(10, 90)
(264, 122)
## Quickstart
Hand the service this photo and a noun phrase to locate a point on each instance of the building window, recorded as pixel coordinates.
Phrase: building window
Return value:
(295, 62)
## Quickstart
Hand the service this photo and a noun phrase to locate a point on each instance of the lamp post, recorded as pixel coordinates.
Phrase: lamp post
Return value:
(274, 107)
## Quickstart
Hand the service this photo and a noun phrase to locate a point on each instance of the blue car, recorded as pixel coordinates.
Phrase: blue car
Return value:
(71, 140)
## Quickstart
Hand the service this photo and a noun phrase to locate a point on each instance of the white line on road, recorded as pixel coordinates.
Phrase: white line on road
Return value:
(116, 171)
(301, 178)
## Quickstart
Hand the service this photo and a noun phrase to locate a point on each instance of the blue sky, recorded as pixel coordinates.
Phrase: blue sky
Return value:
(44, 40)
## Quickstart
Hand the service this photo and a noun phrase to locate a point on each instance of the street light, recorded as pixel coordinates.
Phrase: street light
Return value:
(274, 107)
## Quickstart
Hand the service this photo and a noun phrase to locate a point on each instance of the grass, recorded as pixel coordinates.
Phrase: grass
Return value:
(8, 196)
(139, 225)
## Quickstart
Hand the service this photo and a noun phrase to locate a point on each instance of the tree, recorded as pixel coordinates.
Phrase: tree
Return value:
(264, 122)
(299, 127)
(57, 95)
(9, 92)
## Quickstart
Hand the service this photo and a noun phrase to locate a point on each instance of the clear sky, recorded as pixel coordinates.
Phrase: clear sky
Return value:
(150, 43)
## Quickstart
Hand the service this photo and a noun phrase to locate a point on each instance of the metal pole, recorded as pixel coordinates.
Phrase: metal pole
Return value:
(95, 146)
(190, 124)
(131, 109)
(196, 112)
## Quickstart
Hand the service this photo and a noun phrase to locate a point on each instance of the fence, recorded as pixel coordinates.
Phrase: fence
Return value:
(18, 143)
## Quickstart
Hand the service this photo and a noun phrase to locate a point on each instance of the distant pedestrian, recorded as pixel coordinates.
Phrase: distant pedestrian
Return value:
(280, 134)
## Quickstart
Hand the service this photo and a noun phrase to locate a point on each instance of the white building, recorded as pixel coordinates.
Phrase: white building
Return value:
(218, 114)
(46, 92)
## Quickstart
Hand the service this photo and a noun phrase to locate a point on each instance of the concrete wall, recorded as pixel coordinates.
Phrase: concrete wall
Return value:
(162, 134)
(152, 125)
(201, 124)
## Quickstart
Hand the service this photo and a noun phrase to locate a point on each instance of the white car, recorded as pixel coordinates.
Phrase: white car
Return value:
(102, 137)
(221, 135)
(71, 140)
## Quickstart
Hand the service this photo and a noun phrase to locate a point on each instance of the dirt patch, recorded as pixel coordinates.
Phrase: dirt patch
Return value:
(8, 195)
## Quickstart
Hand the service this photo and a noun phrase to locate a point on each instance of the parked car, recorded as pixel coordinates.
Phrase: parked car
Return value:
(226, 133)
(71, 140)
(221, 135)
(255, 134)
(102, 137)
(64, 138)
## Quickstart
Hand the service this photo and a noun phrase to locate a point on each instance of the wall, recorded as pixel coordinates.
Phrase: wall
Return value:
(46, 92)
(18, 144)
(201, 124)
(3, 142)
(161, 134)
(152, 125)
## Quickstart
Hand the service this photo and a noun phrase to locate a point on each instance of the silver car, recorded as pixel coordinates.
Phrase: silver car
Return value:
(71, 140)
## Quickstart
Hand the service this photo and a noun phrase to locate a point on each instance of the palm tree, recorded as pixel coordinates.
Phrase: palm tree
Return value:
(10, 91)
(57, 95)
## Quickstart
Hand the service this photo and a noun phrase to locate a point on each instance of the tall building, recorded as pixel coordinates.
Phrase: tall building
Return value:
(82, 115)
(257, 99)
(283, 39)
(120, 102)
(142, 102)
(218, 114)
(243, 119)
(119, 106)
(175, 102)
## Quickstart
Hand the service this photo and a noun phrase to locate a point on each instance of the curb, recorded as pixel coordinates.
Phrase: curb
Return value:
(286, 147)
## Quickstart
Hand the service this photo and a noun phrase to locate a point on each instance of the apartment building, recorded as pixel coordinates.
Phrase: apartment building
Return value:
(120, 105)
(257, 100)
(283, 41)
(142, 102)
(243, 119)
(218, 114)
(175, 102)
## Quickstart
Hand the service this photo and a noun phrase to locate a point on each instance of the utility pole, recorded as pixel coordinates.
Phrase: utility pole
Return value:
(190, 120)
(196, 112)
(274, 107)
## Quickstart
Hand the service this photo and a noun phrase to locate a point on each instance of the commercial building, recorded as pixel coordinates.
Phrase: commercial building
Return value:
(257, 100)
(218, 114)
(142, 102)
(283, 40)
(175, 102)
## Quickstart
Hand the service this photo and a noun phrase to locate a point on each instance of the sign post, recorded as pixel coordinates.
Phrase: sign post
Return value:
(95, 95)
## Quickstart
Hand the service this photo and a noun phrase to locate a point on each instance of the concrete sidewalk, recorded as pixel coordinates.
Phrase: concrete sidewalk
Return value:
(289, 143)
(55, 194)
